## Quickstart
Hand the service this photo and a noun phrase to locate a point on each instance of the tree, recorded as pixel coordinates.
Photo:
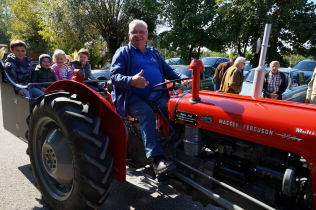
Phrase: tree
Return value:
(25, 24)
(191, 27)
(293, 25)
(61, 28)
(110, 18)
(4, 22)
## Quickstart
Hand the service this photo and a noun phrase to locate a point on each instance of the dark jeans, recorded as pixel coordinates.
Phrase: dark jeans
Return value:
(36, 92)
(143, 111)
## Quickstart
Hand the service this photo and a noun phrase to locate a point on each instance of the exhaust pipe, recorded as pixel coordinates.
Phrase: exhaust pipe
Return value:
(196, 66)
(260, 72)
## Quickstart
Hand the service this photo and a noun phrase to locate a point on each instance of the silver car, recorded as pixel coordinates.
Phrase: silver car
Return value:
(103, 73)
(296, 89)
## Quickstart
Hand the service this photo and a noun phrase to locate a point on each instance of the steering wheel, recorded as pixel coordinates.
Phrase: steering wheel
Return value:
(173, 87)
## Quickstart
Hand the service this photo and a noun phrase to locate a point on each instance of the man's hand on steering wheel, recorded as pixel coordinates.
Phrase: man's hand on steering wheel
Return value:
(155, 88)
(187, 82)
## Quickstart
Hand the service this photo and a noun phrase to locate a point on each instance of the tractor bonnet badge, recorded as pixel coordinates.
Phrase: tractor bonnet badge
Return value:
(186, 117)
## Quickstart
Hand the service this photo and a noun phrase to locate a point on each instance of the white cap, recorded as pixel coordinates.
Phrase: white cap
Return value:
(240, 60)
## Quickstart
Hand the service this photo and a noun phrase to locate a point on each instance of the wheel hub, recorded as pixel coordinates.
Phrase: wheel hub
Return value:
(57, 158)
(49, 158)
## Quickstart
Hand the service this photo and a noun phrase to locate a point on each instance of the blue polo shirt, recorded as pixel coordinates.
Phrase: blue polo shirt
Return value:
(145, 61)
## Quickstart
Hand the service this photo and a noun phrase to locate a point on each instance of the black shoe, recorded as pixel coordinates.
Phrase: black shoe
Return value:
(163, 166)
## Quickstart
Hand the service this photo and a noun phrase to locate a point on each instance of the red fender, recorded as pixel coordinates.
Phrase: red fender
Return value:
(112, 124)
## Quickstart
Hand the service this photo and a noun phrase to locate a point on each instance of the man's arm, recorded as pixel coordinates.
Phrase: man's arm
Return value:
(310, 89)
(265, 84)
(219, 70)
(90, 76)
(283, 84)
(119, 69)
(11, 70)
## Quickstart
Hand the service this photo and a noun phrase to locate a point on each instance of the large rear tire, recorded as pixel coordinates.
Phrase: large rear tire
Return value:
(68, 153)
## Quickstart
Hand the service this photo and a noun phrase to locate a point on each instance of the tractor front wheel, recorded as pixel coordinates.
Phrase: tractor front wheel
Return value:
(68, 153)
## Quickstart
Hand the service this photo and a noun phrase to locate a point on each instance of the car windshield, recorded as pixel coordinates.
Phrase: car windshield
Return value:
(209, 61)
(305, 65)
(300, 78)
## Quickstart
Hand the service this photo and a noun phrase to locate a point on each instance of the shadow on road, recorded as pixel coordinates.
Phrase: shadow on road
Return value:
(141, 192)
(27, 172)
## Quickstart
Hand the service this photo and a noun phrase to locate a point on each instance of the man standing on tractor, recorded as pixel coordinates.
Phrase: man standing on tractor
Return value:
(135, 69)
(220, 71)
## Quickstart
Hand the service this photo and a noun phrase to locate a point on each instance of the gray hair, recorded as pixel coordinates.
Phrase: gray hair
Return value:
(136, 22)
(275, 62)
(240, 60)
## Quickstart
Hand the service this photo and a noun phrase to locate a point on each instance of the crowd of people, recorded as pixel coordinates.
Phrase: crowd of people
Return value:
(19, 68)
(136, 68)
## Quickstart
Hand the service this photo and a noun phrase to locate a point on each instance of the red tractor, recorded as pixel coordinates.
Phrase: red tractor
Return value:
(235, 151)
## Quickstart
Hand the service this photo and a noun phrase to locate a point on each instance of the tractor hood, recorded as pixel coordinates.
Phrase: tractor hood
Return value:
(281, 124)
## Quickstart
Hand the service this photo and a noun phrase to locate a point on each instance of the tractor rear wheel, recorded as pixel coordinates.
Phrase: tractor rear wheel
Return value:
(68, 153)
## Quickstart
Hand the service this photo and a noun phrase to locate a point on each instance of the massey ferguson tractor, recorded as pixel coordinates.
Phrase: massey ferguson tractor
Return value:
(237, 152)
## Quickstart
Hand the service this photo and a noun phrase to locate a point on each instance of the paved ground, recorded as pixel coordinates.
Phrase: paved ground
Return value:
(17, 190)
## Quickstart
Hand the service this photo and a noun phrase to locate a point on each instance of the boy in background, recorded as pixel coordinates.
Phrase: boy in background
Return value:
(83, 64)
(84, 68)
(19, 66)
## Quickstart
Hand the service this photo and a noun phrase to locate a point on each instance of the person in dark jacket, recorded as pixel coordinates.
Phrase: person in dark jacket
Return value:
(135, 69)
(19, 66)
(42, 73)
(220, 71)
(275, 82)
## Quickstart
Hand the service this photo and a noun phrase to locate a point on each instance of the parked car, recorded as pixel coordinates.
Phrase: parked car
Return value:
(210, 63)
(102, 73)
(296, 89)
(306, 65)
(174, 61)
(206, 82)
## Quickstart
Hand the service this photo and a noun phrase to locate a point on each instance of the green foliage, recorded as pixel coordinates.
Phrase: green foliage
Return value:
(293, 25)
(291, 60)
(191, 27)
(214, 54)
(4, 22)
(25, 24)
(59, 26)
(110, 18)
(95, 51)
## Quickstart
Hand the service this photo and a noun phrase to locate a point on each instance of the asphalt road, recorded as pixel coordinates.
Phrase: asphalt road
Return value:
(17, 189)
